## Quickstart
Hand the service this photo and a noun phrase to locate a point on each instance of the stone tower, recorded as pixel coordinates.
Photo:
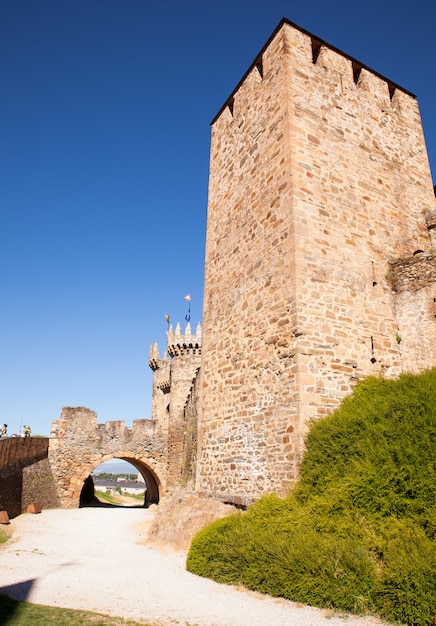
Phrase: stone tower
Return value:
(319, 263)
(173, 379)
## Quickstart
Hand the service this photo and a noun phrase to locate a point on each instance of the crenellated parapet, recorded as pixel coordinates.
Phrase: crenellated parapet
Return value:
(179, 344)
(154, 361)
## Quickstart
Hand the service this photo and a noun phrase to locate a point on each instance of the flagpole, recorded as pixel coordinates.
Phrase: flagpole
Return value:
(188, 315)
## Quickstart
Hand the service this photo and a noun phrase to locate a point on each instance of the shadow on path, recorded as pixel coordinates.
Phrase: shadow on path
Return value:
(10, 598)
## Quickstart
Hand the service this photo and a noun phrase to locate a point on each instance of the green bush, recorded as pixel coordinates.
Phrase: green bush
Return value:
(357, 533)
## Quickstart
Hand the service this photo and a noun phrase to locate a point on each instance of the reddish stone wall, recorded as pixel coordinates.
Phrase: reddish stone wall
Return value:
(21, 451)
(25, 475)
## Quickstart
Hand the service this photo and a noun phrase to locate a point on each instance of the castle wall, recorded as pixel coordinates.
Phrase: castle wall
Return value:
(318, 179)
(414, 283)
(189, 458)
(25, 475)
(183, 373)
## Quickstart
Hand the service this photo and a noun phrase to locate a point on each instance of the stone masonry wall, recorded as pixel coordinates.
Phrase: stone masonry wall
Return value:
(189, 458)
(414, 283)
(319, 178)
(25, 475)
(21, 451)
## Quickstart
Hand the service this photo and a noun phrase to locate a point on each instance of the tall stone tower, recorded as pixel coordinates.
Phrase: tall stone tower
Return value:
(319, 263)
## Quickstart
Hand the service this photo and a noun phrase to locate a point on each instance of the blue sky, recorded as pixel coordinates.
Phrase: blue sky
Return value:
(104, 155)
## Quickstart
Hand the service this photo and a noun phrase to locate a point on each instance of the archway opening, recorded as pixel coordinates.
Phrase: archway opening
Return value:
(120, 482)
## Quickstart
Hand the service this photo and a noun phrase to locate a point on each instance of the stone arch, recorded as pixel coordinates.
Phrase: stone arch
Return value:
(78, 445)
(152, 483)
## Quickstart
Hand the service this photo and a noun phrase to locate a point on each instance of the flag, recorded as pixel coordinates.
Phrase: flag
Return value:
(188, 298)
(167, 318)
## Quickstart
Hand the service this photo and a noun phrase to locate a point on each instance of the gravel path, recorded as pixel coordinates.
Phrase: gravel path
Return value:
(98, 559)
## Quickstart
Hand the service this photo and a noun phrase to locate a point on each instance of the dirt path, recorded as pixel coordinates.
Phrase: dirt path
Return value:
(98, 559)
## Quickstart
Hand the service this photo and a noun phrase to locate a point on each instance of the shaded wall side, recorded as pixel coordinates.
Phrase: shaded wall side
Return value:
(11, 489)
(22, 450)
(25, 475)
(183, 372)
(39, 485)
(189, 459)
(248, 409)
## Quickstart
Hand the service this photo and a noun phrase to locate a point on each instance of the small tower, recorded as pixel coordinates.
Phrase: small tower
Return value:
(173, 378)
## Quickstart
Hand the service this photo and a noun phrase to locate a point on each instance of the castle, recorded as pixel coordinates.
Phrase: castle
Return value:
(320, 270)
(320, 262)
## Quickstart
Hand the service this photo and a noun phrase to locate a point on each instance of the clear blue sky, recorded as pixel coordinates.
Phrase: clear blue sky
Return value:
(104, 155)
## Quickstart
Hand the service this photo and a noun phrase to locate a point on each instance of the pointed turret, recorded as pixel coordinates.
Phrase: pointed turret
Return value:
(153, 357)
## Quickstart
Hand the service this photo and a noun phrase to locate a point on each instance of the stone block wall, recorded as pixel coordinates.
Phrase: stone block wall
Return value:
(414, 283)
(319, 179)
(25, 475)
(21, 451)
(189, 458)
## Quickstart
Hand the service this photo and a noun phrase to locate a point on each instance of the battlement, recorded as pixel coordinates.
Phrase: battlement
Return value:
(324, 55)
(82, 420)
(178, 344)
(153, 357)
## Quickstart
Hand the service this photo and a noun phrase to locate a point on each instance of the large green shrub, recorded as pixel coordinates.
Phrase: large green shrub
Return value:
(358, 531)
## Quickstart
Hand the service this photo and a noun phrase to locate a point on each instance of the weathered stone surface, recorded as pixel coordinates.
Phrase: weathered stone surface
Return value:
(25, 474)
(180, 516)
(319, 180)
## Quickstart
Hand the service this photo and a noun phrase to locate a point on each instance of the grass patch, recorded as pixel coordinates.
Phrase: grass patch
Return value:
(14, 613)
(357, 533)
(107, 497)
(5, 533)
(120, 499)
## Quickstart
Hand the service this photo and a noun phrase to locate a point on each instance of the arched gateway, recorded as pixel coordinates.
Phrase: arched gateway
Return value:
(78, 445)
